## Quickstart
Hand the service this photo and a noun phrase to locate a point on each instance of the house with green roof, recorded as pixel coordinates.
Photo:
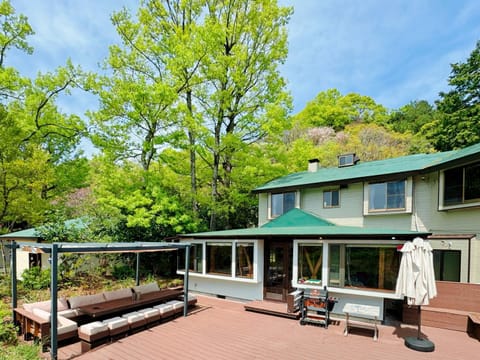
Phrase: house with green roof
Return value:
(341, 227)
(27, 260)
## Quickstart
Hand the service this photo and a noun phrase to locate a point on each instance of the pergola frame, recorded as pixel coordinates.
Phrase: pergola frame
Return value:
(57, 248)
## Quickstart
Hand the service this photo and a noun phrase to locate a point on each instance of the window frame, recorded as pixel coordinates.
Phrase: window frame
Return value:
(296, 204)
(408, 197)
(233, 274)
(445, 205)
(331, 191)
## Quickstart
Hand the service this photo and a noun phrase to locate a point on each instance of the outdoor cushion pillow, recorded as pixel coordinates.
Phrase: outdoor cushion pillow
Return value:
(65, 325)
(46, 305)
(118, 294)
(84, 300)
(147, 288)
(42, 314)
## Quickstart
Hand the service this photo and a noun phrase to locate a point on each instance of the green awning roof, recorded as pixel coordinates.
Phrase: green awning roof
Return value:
(412, 164)
(299, 223)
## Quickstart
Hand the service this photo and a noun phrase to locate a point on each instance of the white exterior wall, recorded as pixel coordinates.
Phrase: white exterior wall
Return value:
(22, 262)
(249, 289)
(226, 287)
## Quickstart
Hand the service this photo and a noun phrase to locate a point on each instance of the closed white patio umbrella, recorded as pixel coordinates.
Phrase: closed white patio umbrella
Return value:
(416, 282)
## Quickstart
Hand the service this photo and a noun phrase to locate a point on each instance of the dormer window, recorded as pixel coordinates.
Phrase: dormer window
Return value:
(347, 160)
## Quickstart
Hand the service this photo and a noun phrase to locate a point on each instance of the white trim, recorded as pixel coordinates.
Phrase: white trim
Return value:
(441, 191)
(232, 277)
(408, 199)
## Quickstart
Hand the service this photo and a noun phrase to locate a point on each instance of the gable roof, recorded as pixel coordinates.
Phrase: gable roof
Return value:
(296, 217)
(371, 170)
(302, 224)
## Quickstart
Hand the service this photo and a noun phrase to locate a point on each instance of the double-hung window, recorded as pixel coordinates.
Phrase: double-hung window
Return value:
(281, 203)
(331, 198)
(387, 196)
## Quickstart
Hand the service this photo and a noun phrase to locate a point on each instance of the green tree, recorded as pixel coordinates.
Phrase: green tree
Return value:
(332, 109)
(36, 135)
(200, 76)
(459, 124)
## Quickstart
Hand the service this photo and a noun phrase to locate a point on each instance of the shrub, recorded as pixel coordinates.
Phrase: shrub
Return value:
(36, 278)
(123, 272)
(8, 333)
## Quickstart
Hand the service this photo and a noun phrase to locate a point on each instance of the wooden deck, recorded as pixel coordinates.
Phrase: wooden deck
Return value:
(271, 308)
(222, 329)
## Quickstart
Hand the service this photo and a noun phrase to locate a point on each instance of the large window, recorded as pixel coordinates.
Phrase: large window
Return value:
(195, 257)
(310, 264)
(244, 260)
(219, 258)
(462, 185)
(447, 265)
(364, 266)
(331, 198)
(386, 196)
(282, 202)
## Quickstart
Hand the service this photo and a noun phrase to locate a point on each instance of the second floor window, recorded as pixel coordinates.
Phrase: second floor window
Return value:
(331, 198)
(386, 196)
(462, 185)
(282, 202)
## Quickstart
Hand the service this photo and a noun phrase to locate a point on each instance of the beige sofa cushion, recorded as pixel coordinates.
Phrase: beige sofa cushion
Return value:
(65, 325)
(46, 305)
(84, 300)
(42, 314)
(147, 288)
(93, 328)
(118, 294)
(115, 322)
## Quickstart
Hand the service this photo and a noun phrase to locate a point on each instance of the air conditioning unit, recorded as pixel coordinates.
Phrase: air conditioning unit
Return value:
(347, 160)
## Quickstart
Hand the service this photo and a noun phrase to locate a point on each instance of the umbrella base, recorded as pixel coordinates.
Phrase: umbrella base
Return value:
(418, 344)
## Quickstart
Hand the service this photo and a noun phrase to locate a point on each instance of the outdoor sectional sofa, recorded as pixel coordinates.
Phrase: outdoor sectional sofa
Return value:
(34, 319)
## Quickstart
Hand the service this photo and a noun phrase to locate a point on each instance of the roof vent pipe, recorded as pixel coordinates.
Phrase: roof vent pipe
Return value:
(313, 165)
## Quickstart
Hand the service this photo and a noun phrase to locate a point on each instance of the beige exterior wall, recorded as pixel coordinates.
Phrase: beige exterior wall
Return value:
(424, 215)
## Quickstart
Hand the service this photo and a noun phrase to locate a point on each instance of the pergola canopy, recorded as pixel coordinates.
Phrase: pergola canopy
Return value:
(54, 249)
(136, 247)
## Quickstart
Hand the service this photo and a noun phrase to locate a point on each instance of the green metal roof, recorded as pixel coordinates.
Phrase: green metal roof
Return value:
(33, 233)
(299, 223)
(411, 164)
(297, 217)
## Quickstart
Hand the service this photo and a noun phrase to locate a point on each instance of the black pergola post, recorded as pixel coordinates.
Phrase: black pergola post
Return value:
(185, 280)
(54, 294)
(13, 276)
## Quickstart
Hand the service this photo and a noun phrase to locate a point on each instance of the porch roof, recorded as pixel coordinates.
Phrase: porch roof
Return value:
(299, 223)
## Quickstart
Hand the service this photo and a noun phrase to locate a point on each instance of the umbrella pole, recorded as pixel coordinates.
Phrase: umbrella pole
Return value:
(419, 315)
(417, 343)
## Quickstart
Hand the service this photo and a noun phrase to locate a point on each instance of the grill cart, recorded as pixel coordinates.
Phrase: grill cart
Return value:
(316, 306)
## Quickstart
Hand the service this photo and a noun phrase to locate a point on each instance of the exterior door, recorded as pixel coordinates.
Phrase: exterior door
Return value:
(278, 270)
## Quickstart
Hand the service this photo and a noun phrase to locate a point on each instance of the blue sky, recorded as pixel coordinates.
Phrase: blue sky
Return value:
(394, 51)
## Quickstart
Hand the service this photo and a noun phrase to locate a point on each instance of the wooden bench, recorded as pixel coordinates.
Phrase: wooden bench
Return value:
(456, 307)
